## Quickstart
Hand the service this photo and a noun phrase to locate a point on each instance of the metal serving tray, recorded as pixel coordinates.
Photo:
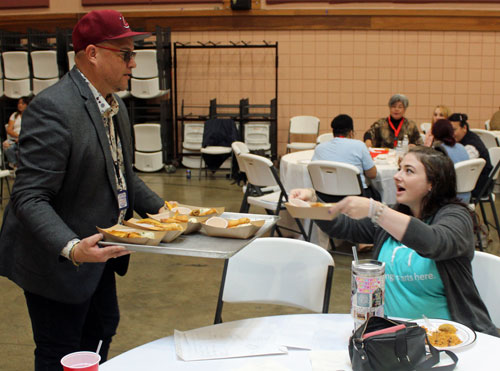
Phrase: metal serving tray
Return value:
(202, 246)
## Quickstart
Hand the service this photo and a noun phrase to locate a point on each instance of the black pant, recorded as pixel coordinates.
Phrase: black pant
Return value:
(60, 328)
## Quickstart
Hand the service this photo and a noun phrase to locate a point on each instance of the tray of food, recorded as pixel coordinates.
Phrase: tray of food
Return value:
(202, 245)
(309, 210)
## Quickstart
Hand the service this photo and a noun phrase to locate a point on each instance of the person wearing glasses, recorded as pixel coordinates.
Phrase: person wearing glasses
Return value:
(75, 173)
(387, 131)
(474, 146)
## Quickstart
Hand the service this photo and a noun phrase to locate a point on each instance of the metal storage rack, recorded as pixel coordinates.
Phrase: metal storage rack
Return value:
(243, 113)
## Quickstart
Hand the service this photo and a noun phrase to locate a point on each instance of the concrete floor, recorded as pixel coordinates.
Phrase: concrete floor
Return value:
(161, 293)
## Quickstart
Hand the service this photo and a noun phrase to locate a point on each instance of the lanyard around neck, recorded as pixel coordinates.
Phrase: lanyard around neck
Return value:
(396, 131)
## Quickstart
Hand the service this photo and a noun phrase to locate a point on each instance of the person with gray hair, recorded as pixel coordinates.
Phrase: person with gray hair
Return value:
(387, 131)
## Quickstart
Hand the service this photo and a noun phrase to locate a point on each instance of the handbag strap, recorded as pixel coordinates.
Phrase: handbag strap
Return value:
(434, 359)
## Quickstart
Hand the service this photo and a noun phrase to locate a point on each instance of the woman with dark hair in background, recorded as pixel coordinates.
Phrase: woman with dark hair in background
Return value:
(426, 242)
(474, 146)
(442, 131)
(13, 129)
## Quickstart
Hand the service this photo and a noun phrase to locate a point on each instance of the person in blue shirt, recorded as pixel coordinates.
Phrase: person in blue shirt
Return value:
(344, 148)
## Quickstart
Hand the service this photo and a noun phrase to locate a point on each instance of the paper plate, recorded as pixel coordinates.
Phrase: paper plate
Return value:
(168, 236)
(464, 333)
(108, 237)
(243, 232)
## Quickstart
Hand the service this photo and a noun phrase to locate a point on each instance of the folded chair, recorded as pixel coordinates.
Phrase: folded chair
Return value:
(333, 181)
(280, 271)
(261, 173)
(302, 125)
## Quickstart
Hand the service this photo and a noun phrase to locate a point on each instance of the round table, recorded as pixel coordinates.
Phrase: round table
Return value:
(294, 174)
(320, 332)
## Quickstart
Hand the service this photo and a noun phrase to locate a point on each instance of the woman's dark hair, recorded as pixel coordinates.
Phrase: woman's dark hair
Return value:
(440, 172)
(442, 130)
(460, 117)
(26, 100)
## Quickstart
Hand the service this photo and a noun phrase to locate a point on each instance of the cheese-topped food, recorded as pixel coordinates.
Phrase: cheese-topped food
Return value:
(203, 211)
(127, 234)
(159, 226)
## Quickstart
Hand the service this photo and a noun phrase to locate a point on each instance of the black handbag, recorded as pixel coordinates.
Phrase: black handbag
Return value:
(382, 344)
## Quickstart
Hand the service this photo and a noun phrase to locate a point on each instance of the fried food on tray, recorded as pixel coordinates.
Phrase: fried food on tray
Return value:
(445, 336)
(159, 226)
(231, 223)
(317, 204)
(125, 234)
(170, 205)
(203, 212)
(177, 218)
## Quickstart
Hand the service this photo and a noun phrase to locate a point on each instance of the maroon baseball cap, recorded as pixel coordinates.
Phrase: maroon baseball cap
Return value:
(101, 25)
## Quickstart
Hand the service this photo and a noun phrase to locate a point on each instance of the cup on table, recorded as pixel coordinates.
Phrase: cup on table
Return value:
(81, 361)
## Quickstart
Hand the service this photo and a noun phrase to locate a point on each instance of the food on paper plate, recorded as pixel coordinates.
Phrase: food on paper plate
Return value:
(126, 234)
(319, 204)
(177, 218)
(203, 211)
(171, 204)
(445, 336)
(159, 226)
(232, 223)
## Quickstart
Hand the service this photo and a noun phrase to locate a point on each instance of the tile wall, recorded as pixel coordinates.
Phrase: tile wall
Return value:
(324, 73)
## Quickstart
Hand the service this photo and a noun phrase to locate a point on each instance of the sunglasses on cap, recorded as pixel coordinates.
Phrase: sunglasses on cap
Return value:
(127, 54)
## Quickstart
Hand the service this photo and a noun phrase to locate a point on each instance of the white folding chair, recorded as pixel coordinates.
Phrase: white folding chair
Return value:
(487, 124)
(44, 64)
(324, 138)
(238, 149)
(333, 181)
(146, 88)
(41, 84)
(467, 173)
(486, 273)
(261, 173)
(71, 59)
(280, 271)
(302, 125)
(257, 135)
(192, 141)
(148, 155)
(489, 139)
(486, 195)
(425, 127)
(147, 65)
(16, 74)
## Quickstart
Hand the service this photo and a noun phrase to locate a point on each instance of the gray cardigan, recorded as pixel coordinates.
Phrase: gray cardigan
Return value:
(449, 240)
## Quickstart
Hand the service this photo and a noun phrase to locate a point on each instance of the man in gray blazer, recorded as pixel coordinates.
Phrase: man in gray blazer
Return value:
(75, 173)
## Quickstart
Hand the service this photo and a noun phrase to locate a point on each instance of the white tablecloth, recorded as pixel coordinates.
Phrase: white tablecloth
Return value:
(325, 331)
(294, 174)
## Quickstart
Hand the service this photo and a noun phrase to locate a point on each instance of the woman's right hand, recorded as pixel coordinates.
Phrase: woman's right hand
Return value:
(305, 194)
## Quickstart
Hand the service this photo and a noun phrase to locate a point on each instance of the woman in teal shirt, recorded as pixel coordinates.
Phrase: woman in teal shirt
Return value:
(426, 241)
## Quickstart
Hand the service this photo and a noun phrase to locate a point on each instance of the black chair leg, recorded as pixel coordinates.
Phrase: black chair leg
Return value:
(495, 215)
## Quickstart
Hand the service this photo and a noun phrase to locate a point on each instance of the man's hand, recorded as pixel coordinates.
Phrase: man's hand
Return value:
(87, 250)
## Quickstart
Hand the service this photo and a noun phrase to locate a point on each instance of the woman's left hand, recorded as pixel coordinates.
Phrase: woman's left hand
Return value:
(354, 207)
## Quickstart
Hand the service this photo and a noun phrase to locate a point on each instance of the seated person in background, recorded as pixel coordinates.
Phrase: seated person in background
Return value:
(495, 121)
(388, 130)
(442, 132)
(13, 130)
(426, 241)
(474, 146)
(440, 112)
(344, 148)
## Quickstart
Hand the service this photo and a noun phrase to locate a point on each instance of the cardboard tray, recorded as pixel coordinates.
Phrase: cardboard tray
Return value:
(244, 232)
(169, 235)
(108, 237)
(318, 213)
(191, 227)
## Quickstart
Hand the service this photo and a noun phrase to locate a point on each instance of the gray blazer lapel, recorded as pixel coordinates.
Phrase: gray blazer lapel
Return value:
(96, 119)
